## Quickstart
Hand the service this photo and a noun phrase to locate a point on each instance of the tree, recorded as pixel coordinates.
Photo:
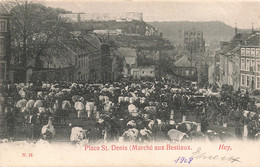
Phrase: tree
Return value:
(33, 27)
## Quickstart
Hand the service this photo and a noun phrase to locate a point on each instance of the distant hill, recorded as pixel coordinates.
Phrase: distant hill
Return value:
(214, 31)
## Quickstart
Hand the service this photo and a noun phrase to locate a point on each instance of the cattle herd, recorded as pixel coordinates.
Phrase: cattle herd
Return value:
(127, 111)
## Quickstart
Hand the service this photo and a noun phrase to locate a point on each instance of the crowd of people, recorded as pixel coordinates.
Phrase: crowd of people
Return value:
(129, 111)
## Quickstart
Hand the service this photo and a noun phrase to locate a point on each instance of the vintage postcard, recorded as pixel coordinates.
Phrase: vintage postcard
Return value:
(130, 83)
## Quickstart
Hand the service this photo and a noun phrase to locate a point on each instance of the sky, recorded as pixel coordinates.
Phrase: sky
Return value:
(242, 12)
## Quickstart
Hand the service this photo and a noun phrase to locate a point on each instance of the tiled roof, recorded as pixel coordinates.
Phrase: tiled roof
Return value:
(254, 40)
(58, 54)
(3, 10)
(81, 46)
(93, 40)
(235, 41)
(183, 62)
(127, 52)
(251, 40)
(63, 51)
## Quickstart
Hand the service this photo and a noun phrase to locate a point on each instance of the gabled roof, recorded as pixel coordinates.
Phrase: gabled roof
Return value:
(254, 40)
(3, 10)
(93, 40)
(81, 45)
(127, 52)
(237, 40)
(58, 54)
(63, 51)
(183, 62)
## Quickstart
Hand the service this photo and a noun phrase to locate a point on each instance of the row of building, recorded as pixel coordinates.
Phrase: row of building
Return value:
(80, 56)
(99, 17)
(238, 62)
(4, 41)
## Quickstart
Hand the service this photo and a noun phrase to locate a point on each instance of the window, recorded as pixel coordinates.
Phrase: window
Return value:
(243, 65)
(252, 65)
(79, 64)
(242, 79)
(253, 52)
(247, 80)
(257, 82)
(3, 26)
(187, 72)
(1, 46)
(253, 81)
(243, 52)
(258, 65)
(248, 51)
(258, 52)
(2, 69)
(247, 64)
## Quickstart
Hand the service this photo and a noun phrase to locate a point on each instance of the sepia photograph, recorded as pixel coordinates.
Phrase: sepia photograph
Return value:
(130, 83)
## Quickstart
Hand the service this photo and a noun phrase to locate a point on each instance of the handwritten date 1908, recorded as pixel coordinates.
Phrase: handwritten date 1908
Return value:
(183, 159)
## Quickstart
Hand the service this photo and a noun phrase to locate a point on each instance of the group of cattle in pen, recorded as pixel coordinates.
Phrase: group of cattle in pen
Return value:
(140, 122)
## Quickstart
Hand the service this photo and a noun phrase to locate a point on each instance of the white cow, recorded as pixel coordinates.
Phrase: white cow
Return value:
(48, 131)
(131, 135)
(89, 108)
(80, 108)
(132, 109)
(77, 134)
(176, 135)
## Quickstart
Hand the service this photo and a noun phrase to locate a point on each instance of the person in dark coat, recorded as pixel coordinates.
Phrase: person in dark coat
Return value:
(204, 123)
(94, 135)
(238, 133)
(10, 121)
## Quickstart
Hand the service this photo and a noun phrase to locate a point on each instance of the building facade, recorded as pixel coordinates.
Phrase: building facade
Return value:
(239, 63)
(184, 69)
(194, 41)
(229, 69)
(250, 68)
(142, 72)
(72, 59)
(4, 42)
(119, 17)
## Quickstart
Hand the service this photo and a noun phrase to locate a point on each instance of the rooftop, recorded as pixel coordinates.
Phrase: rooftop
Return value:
(251, 40)
(3, 10)
(127, 52)
(183, 62)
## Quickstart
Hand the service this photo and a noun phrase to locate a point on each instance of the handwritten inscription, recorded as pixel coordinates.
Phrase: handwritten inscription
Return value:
(183, 160)
(198, 154)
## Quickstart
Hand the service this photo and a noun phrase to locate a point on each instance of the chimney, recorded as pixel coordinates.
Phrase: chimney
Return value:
(235, 28)
(78, 19)
(252, 28)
